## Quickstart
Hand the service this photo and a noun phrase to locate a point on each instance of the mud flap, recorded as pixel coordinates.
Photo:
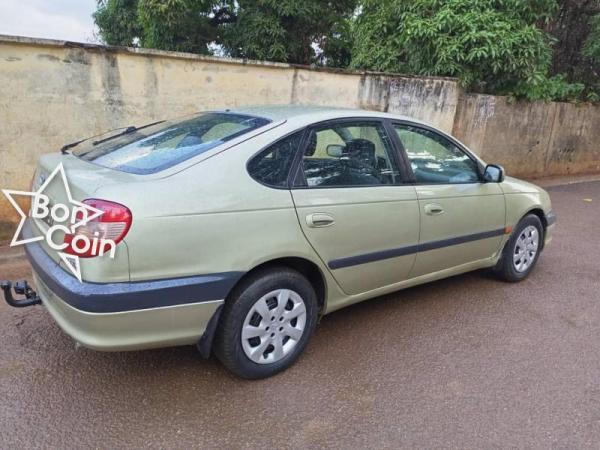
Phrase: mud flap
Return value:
(205, 342)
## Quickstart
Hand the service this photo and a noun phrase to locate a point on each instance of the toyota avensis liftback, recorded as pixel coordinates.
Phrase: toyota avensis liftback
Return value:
(237, 230)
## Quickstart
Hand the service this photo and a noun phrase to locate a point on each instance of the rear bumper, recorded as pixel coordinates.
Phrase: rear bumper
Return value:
(128, 316)
(129, 330)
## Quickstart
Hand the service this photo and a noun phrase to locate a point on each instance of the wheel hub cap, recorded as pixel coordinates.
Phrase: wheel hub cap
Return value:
(273, 326)
(526, 248)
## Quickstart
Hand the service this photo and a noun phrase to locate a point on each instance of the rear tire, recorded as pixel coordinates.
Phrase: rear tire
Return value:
(266, 323)
(522, 250)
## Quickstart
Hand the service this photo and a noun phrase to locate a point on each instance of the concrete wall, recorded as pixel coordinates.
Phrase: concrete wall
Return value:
(531, 139)
(54, 92)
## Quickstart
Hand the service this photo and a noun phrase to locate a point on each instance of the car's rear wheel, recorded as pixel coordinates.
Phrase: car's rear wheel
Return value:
(266, 323)
(522, 250)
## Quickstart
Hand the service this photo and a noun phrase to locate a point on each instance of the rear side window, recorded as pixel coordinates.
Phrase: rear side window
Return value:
(158, 147)
(348, 154)
(272, 165)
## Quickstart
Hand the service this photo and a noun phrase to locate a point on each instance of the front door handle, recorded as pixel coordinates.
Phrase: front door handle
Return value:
(433, 209)
(319, 220)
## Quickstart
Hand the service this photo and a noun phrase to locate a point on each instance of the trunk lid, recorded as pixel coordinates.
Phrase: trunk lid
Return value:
(67, 178)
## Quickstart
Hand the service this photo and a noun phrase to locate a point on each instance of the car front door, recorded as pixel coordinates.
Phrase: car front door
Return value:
(352, 204)
(462, 218)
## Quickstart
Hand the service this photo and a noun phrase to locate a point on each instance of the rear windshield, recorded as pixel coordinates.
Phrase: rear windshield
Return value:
(163, 145)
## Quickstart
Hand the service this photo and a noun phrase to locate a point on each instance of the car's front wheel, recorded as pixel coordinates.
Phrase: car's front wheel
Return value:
(522, 250)
(266, 323)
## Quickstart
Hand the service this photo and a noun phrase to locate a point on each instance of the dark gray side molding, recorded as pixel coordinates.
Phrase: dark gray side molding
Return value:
(411, 249)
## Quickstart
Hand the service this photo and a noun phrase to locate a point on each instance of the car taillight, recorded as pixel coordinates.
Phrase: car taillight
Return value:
(113, 225)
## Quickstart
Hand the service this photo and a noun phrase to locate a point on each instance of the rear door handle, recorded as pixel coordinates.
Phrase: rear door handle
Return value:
(319, 220)
(433, 209)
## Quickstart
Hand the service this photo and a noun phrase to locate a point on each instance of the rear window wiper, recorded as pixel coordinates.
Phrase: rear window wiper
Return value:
(66, 147)
(127, 130)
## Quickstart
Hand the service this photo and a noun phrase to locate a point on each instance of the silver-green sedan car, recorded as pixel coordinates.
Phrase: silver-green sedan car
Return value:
(236, 230)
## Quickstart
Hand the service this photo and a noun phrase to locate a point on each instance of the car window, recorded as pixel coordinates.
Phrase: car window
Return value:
(435, 159)
(349, 154)
(158, 147)
(272, 165)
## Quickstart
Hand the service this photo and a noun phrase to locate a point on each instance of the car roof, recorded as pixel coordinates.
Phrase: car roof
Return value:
(312, 113)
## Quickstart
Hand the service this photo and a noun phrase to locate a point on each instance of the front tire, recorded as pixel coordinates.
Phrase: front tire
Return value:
(266, 323)
(522, 250)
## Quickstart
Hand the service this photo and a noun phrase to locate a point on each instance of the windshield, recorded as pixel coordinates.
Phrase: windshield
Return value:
(160, 146)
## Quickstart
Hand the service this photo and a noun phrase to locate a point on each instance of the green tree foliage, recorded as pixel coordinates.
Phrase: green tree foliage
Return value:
(533, 49)
(178, 25)
(591, 54)
(591, 51)
(490, 45)
(575, 27)
(592, 44)
(289, 30)
(276, 30)
(181, 25)
(118, 21)
(336, 46)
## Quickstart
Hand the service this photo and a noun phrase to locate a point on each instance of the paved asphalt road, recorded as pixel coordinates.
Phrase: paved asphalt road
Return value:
(467, 362)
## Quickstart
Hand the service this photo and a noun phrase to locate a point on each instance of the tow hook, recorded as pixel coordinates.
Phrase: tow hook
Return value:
(21, 288)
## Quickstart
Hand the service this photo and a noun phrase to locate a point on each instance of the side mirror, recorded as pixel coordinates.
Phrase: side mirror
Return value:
(335, 150)
(494, 173)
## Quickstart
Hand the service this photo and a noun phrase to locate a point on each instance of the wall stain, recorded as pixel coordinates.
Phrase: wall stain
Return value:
(112, 94)
(150, 86)
(374, 92)
(294, 94)
(48, 57)
(484, 110)
(78, 56)
(565, 153)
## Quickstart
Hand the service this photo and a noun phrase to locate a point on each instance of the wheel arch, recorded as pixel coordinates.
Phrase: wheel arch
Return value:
(305, 266)
(539, 212)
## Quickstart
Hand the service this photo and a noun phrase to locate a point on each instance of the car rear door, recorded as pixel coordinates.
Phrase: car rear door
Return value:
(462, 218)
(352, 204)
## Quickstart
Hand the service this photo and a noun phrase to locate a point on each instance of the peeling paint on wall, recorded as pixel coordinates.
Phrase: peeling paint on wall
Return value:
(485, 110)
(431, 100)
